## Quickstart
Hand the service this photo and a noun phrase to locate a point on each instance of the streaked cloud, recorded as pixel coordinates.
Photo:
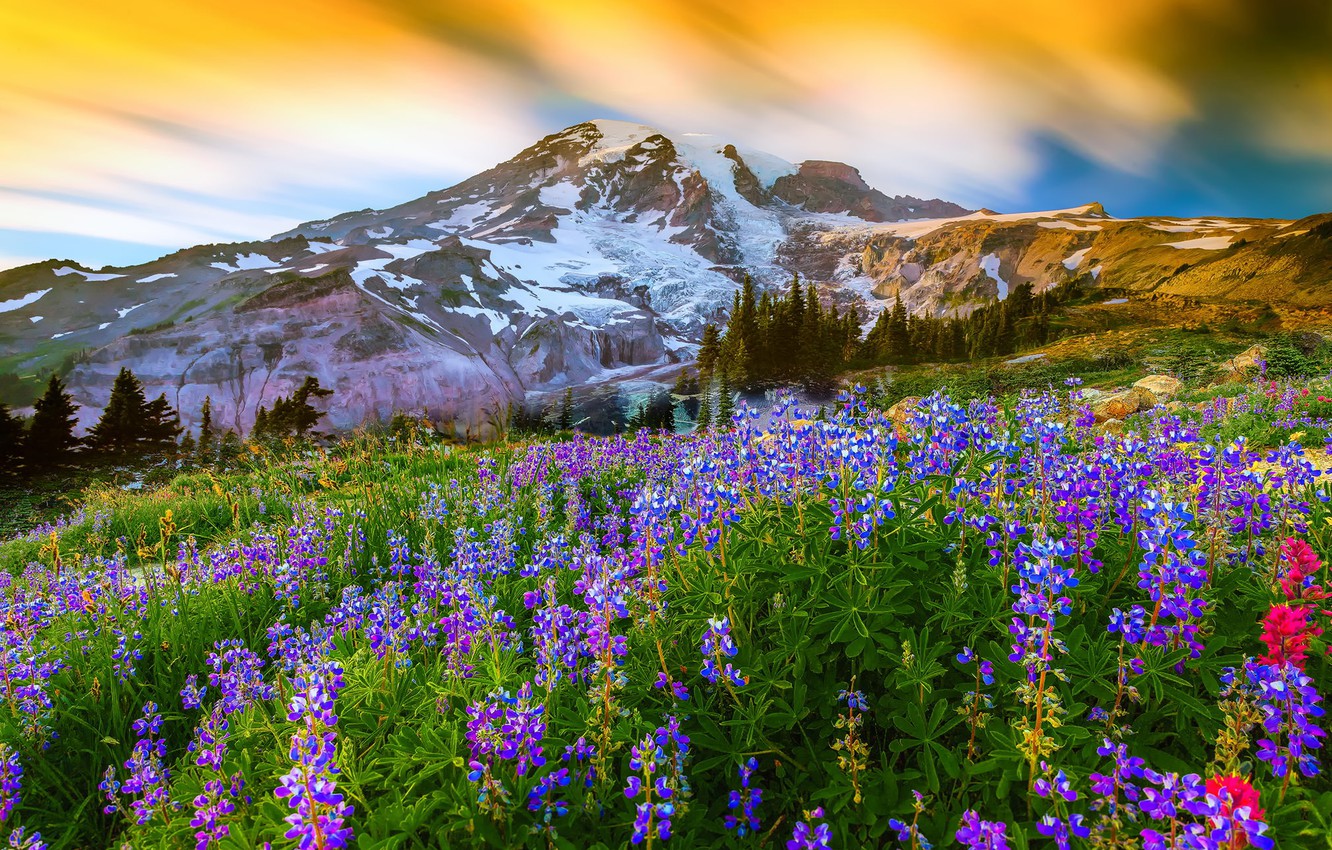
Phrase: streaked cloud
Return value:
(157, 123)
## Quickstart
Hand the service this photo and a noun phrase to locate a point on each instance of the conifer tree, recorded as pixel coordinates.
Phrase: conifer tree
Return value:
(11, 443)
(206, 437)
(120, 429)
(260, 429)
(709, 350)
(293, 414)
(725, 404)
(704, 420)
(899, 343)
(566, 421)
(50, 441)
(660, 414)
(229, 447)
(161, 425)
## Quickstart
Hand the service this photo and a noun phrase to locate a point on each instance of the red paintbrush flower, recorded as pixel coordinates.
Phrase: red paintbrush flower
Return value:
(1300, 563)
(1286, 634)
(1236, 793)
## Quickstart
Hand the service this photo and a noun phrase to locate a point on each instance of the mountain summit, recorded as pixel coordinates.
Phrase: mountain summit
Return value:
(597, 252)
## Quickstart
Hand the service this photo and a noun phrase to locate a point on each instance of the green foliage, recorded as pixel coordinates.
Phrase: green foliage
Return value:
(50, 441)
(292, 415)
(11, 444)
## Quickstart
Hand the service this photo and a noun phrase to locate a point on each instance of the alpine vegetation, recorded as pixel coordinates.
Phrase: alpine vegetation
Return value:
(977, 624)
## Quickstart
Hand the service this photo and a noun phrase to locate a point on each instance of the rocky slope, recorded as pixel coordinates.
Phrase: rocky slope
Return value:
(600, 251)
(597, 250)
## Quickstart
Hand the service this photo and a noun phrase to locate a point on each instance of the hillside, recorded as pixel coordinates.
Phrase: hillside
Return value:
(598, 253)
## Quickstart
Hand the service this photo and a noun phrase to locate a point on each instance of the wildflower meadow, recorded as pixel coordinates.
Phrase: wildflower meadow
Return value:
(980, 625)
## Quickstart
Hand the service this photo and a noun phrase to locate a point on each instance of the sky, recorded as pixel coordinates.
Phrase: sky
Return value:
(129, 129)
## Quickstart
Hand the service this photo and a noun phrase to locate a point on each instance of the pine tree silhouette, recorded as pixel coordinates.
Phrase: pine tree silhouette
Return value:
(50, 441)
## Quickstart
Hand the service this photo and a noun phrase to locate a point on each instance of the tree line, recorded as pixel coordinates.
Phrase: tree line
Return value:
(789, 338)
(132, 428)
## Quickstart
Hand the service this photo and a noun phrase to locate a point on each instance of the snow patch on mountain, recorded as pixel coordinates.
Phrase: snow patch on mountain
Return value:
(1075, 259)
(245, 262)
(16, 303)
(990, 265)
(88, 276)
(1203, 243)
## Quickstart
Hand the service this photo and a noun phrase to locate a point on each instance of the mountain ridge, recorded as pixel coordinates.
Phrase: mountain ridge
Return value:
(602, 248)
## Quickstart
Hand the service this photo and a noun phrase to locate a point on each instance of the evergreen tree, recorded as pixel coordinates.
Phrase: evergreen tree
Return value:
(260, 429)
(638, 420)
(161, 425)
(704, 420)
(709, 350)
(229, 448)
(188, 447)
(294, 414)
(50, 441)
(899, 341)
(11, 443)
(120, 429)
(725, 405)
(660, 414)
(566, 421)
(303, 416)
(206, 437)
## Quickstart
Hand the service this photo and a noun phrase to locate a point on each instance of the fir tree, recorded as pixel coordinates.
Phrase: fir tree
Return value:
(660, 414)
(50, 441)
(260, 429)
(206, 437)
(566, 421)
(293, 414)
(11, 443)
(704, 420)
(709, 350)
(161, 425)
(229, 447)
(725, 404)
(121, 427)
(898, 340)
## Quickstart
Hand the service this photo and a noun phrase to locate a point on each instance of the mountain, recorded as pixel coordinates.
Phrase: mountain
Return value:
(597, 253)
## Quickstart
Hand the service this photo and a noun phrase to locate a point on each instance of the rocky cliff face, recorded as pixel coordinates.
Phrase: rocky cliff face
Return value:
(599, 249)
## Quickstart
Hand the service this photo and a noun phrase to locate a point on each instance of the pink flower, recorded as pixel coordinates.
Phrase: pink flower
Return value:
(1236, 793)
(1286, 634)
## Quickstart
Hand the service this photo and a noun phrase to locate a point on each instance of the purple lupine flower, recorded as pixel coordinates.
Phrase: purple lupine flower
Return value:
(982, 834)
(191, 696)
(319, 821)
(661, 754)
(503, 728)
(149, 777)
(909, 833)
(542, 798)
(747, 800)
(216, 801)
(21, 839)
(11, 780)
(238, 675)
(717, 644)
(1289, 704)
(809, 835)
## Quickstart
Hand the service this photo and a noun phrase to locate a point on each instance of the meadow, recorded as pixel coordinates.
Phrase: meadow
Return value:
(984, 624)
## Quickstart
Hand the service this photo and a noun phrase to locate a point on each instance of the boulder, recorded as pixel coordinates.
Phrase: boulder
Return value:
(1242, 365)
(1117, 406)
(899, 411)
(1112, 426)
(1162, 387)
(1146, 398)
